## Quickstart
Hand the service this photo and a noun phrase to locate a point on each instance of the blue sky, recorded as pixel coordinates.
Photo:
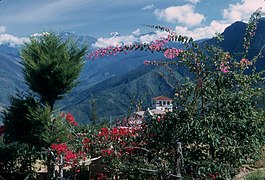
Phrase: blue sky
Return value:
(98, 18)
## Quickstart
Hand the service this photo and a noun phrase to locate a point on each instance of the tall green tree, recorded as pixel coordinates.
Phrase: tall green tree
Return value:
(51, 66)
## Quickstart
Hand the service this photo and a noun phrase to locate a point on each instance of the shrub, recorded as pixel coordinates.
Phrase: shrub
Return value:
(219, 117)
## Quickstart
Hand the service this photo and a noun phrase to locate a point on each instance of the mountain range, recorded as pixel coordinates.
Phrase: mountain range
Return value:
(119, 82)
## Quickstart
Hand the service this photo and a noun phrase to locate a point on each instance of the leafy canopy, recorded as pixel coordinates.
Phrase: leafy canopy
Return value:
(51, 66)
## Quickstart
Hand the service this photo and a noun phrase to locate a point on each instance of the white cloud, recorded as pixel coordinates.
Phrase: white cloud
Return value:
(182, 14)
(148, 7)
(113, 41)
(193, 1)
(241, 11)
(148, 38)
(187, 16)
(8, 38)
(130, 39)
(136, 32)
(11, 39)
(202, 32)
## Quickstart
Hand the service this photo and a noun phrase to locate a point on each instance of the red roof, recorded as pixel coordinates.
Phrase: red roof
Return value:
(162, 98)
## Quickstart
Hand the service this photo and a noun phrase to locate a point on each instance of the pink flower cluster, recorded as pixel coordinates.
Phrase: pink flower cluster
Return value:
(172, 53)
(147, 62)
(245, 62)
(157, 45)
(108, 51)
(224, 68)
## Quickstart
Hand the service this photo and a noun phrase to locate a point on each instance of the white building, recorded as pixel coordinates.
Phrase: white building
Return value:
(163, 103)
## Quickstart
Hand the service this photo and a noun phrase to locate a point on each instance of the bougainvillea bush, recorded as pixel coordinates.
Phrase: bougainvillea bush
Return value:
(218, 117)
(118, 152)
(97, 151)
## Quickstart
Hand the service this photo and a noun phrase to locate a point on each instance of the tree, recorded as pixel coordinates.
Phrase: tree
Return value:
(51, 66)
(25, 121)
(94, 115)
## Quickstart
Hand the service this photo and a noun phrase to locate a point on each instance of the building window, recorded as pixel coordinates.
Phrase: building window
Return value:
(168, 103)
(164, 102)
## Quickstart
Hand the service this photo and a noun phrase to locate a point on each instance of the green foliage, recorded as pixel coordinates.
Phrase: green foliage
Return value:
(56, 130)
(93, 114)
(51, 66)
(218, 118)
(25, 120)
(17, 157)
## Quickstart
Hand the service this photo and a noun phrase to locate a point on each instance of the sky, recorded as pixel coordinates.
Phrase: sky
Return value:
(120, 21)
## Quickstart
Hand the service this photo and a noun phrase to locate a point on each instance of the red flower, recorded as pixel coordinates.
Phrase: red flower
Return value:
(114, 131)
(86, 140)
(62, 114)
(103, 132)
(70, 156)
(123, 131)
(130, 150)
(60, 148)
(70, 118)
(100, 176)
(107, 152)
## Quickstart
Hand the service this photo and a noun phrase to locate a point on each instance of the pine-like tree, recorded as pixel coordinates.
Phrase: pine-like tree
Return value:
(51, 66)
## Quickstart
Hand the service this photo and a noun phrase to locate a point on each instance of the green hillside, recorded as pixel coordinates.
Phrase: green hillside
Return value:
(115, 96)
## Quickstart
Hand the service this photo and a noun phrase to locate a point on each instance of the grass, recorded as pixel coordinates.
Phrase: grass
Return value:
(256, 175)
(255, 171)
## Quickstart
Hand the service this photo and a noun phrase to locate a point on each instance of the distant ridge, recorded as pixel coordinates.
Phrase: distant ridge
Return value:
(115, 81)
